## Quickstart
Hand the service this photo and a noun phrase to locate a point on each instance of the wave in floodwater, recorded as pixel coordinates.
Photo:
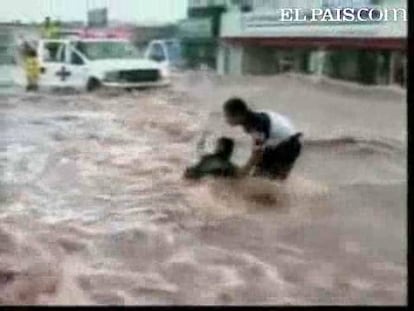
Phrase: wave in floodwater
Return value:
(359, 144)
(93, 204)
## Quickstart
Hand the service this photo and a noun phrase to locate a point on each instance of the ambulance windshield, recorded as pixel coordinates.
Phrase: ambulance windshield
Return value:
(96, 50)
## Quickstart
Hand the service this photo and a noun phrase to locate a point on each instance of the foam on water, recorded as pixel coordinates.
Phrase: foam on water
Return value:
(94, 206)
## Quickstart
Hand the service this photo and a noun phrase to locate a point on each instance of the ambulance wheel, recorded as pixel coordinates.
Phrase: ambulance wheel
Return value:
(93, 85)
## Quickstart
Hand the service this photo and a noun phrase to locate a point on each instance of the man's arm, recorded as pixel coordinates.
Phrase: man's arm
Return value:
(256, 155)
(255, 158)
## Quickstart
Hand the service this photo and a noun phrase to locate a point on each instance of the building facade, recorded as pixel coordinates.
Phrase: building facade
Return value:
(257, 39)
(200, 32)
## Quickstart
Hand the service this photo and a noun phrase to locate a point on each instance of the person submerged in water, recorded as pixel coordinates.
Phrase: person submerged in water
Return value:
(218, 164)
(276, 143)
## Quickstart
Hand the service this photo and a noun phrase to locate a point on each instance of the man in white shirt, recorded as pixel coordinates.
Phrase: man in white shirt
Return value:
(276, 143)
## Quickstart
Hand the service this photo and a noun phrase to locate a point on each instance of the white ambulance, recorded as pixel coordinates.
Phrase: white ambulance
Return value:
(90, 63)
(167, 53)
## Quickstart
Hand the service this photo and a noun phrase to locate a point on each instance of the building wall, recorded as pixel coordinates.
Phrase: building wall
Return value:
(268, 61)
(201, 48)
(230, 59)
(144, 34)
(258, 61)
(11, 35)
(263, 52)
(359, 65)
(238, 24)
(266, 5)
(6, 44)
(205, 3)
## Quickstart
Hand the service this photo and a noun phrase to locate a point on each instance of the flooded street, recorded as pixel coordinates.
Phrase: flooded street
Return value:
(93, 208)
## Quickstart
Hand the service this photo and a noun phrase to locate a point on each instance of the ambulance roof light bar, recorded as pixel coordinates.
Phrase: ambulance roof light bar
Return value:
(105, 33)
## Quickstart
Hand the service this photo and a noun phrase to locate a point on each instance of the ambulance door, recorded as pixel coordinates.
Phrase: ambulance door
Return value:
(77, 65)
(54, 72)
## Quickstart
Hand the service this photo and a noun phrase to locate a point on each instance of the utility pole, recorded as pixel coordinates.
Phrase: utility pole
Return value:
(87, 15)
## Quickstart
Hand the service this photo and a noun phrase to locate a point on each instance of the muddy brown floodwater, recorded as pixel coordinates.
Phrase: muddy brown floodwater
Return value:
(94, 210)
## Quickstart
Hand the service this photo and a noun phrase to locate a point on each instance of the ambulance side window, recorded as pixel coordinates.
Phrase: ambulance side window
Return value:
(75, 59)
(54, 52)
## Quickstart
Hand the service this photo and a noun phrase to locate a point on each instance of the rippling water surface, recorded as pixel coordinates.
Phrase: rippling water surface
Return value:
(93, 208)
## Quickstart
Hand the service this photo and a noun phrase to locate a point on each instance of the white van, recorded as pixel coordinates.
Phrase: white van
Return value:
(167, 53)
(88, 64)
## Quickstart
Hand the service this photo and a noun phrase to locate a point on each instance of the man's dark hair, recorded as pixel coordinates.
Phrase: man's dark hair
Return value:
(236, 107)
